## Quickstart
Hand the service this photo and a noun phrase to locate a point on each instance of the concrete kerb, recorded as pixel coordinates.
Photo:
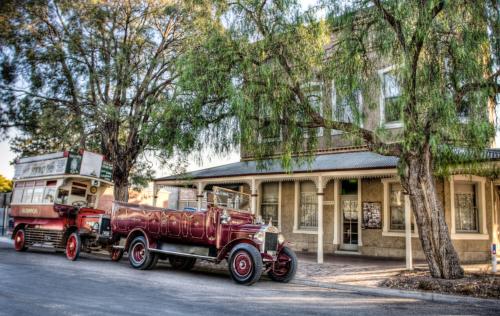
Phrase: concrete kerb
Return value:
(378, 291)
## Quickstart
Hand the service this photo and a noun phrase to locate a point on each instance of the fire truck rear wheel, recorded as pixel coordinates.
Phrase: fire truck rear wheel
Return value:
(138, 254)
(181, 263)
(19, 241)
(245, 264)
(73, 246)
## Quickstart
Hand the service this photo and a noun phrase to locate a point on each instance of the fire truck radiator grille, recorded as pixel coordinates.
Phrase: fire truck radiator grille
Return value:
(43, 236)
(271, 242)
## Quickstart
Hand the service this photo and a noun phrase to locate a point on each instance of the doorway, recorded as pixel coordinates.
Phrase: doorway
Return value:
(349, 215)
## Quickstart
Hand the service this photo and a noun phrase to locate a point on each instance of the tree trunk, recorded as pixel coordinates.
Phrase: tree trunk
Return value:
(121, 192)
(121, 173)
(418, 181)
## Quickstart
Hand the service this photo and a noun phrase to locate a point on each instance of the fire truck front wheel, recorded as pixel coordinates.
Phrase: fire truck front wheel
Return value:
(245, 264)
(73, 246)
(138, 254)
(19, 241)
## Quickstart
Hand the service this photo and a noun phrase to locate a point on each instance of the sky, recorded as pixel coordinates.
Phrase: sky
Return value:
(7, 156)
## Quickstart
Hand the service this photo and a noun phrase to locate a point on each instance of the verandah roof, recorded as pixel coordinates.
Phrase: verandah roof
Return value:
(358, 160)
(325, 162)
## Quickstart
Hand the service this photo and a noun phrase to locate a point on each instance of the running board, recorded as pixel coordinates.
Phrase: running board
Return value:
(183, 254)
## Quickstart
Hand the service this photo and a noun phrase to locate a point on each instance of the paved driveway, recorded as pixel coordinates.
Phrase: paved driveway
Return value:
(44, 283)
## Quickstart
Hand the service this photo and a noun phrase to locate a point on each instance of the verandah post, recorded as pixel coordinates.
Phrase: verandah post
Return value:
(408, 215)
(320, 218)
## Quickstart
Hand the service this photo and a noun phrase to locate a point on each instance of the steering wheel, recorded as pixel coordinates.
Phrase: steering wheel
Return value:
(79, 203)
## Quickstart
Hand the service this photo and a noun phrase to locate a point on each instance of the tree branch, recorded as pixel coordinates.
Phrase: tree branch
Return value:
(490, 82)
(393, 22)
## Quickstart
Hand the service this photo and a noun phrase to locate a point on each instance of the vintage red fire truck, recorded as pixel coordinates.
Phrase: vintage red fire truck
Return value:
(54, 202)
(222, 230)
(54, 205)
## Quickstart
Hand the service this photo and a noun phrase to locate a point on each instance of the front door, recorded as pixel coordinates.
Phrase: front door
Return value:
(349, 222)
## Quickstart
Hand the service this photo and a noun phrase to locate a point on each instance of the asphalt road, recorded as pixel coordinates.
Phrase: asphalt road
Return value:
(40, 282)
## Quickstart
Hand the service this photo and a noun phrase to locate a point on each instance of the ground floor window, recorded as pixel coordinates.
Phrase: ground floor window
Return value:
(308, 206)
(396, 207)
(187, 199)
(466, 210)
(270, 202)
(395, 204)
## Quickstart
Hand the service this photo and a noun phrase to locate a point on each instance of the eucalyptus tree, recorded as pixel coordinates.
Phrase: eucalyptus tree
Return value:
(96, 75)
(264, 58)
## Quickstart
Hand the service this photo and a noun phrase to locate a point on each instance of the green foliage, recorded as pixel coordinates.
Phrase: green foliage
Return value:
(444, 66)
(257, 63)
(261, 60)
(98, 75)
(5, 184)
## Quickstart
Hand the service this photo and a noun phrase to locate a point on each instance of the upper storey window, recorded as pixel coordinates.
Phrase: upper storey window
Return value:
(314, 94)
(345, 108)
(390, 98)
(268, 132)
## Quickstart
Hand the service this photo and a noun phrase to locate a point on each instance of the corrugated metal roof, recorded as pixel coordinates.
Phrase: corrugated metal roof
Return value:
(327, 162)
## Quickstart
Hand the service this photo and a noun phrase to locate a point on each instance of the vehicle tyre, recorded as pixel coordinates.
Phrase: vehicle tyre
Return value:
(73, 246)
(181, 263)
(285, 268)
(154, 261)
(19, 240)
(116, 254)
(245, 264)
(138, 254)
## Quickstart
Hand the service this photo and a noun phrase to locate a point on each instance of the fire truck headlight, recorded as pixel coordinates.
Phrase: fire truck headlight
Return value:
(259, 236)
(281, 238)
(95, 226)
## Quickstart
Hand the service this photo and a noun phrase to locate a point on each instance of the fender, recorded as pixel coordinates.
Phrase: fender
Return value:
(16, 228)
(68, 232)
(150, 243)
(227, 248)
(283, 245)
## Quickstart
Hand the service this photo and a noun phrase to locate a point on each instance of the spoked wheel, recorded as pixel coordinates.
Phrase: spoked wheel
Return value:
(138, 255)
(285, 267)
(181, 263)
(245, 264)
(73, 245)
(19, 241)
(116, 254)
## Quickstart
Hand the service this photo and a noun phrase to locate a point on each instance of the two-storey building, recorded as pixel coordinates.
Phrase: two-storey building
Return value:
(349, 200)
